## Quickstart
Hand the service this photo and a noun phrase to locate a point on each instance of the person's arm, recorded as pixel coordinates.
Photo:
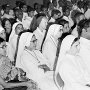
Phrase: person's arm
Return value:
(10, 85)
(45, 67)
(49, 53)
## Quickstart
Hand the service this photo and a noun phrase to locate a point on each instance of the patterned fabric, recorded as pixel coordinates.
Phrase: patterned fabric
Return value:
(7, 71)
(5, 67)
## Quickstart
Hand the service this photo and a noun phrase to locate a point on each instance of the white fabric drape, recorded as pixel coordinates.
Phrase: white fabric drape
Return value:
(53, 29)
(12, 42)
(65, 46)
(23, 41)
(50, 45)
(13, 30)
(29, 62)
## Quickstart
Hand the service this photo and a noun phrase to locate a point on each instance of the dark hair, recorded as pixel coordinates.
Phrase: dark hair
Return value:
(4, 21)
(42, 7)
(82, 24)
(76, 39)
(73, 13)
(77, 15)
(18, 10)
(22, 4)
(62, 22)
(65, 8)
(18, 24)
(35, 5)
(80, 4)
(55, 12)
(1, 40)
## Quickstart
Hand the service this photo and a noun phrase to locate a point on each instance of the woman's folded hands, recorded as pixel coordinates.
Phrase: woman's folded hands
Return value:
(45, 67)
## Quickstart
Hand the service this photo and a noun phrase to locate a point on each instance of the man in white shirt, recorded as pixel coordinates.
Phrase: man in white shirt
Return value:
(55, 15)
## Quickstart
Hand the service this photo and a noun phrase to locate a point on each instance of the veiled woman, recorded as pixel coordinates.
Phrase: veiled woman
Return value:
(16, 29)
(71, 67)
(51, 43)
(34, 63)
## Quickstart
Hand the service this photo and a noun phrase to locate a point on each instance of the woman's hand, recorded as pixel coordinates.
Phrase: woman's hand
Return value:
(31, 85)
(45, 67)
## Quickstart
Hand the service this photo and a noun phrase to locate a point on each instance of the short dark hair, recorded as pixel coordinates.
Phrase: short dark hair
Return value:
(35, 5)
(4, 21)
(82, 24)
(77, 15)
(55, 12)
(62, 22)
(65, 8)
(73, 13)
(29, 9)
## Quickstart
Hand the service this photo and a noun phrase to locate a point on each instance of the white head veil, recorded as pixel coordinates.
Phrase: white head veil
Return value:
(13, 30)
(65, 46)
(23, 41)
(53, 29)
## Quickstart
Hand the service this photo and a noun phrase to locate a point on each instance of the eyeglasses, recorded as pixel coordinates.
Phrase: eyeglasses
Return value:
(4, 46)
(34, 41)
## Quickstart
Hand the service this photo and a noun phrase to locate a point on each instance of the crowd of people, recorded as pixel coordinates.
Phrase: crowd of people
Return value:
(45, 47)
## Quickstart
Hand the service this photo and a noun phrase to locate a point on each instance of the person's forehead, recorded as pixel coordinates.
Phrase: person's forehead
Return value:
(7, 21)
(67, 24)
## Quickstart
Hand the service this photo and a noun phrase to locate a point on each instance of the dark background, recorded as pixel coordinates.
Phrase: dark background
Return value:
(12, 2)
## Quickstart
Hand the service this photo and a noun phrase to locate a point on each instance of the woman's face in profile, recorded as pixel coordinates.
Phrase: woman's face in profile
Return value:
(8, 26)
(33, 43)
(19, 28)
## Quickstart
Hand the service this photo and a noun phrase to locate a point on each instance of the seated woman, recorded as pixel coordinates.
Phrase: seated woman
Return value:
(16, 29)
(70, 66)
(33, 62)
(7, 25)
(51, 43)
(7, 71)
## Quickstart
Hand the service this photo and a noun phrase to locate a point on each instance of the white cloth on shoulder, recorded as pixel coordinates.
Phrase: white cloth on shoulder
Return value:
(53, 29)
(50, 45)
(23, 41)
(12, 42)
(13, 30)
(65, 46)
(29, 62)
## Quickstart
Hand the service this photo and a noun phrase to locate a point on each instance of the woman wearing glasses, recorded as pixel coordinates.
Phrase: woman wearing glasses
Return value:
(8, 72)
(33, 62)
